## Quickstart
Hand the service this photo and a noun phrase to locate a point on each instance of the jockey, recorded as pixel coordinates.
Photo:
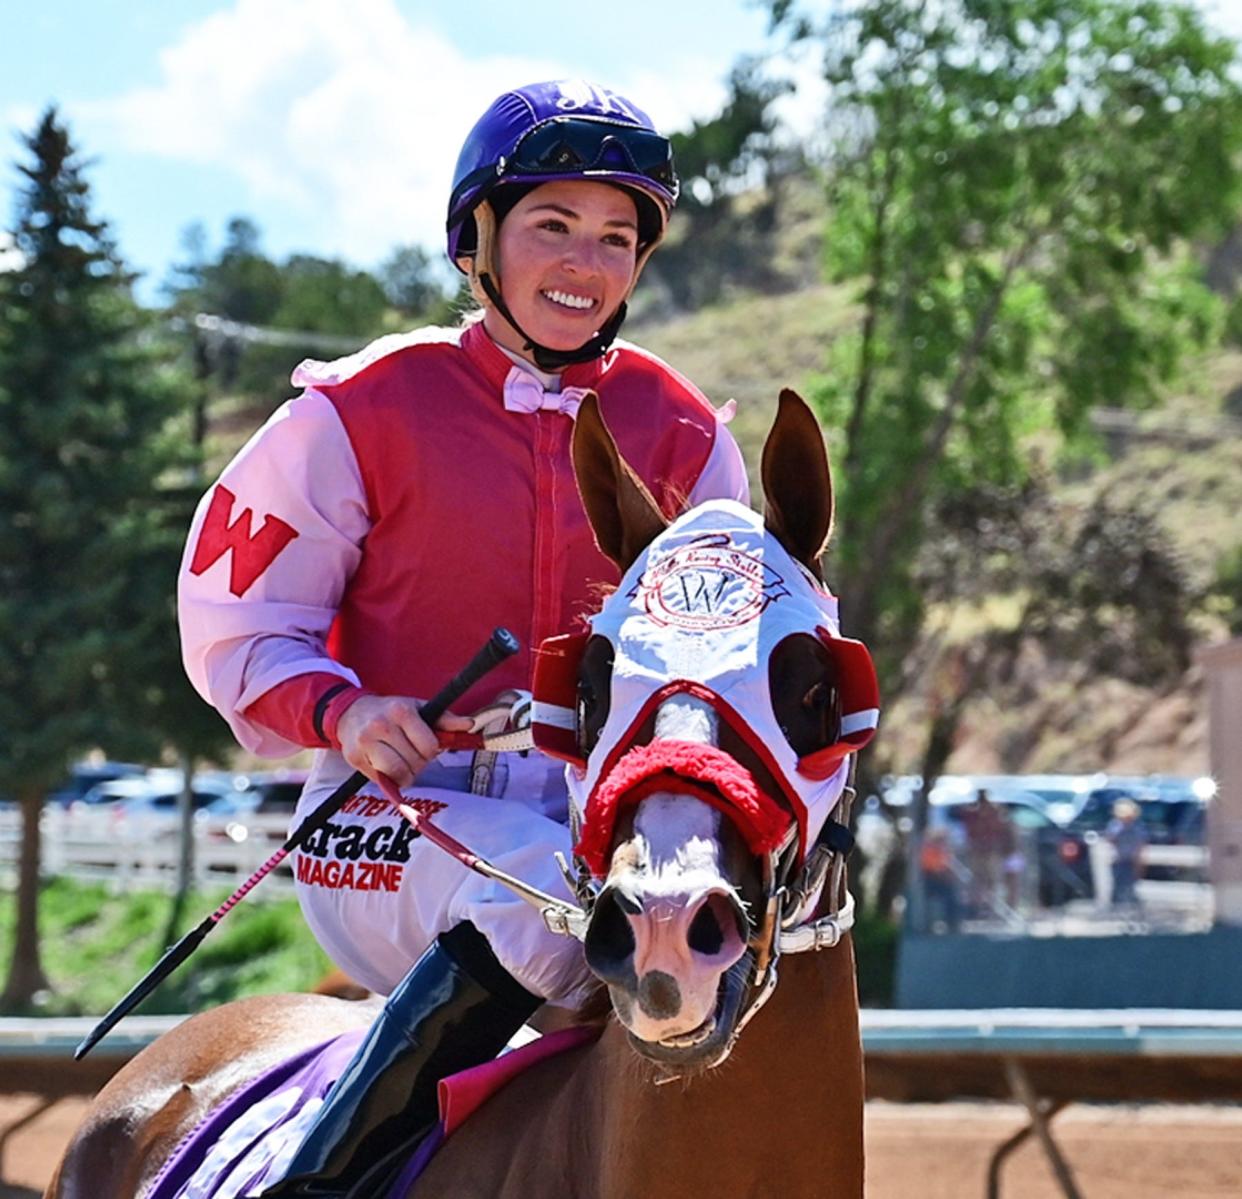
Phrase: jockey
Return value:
(371, 535)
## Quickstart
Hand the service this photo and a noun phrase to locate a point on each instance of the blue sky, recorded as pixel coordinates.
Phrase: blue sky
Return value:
(333, 123)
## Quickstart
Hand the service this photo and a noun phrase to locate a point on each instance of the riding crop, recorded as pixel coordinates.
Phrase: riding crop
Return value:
(499, 646)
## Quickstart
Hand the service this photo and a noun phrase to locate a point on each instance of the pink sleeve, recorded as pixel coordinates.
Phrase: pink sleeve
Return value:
(272, 548)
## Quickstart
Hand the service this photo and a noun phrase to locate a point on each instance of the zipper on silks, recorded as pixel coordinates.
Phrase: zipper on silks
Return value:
(553, 431)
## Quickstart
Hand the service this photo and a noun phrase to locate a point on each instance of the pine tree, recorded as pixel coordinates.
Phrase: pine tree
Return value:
(85, 406)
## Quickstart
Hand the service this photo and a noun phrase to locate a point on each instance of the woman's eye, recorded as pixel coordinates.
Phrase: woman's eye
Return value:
(554, 225)
(619, 240)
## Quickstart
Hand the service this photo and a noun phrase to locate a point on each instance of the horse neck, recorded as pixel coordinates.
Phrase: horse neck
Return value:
(782, 1115)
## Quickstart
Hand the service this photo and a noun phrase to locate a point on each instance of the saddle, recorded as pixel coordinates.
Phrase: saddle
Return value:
(247, 1143)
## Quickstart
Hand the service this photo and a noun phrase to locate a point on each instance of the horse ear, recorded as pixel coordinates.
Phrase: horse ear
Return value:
(797, 482)
(623, 514)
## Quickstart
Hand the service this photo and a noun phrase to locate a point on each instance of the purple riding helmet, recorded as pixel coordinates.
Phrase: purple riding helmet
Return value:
(565, 129)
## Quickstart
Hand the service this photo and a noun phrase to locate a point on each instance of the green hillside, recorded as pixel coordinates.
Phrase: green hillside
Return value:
(1184, 458)
(748, 349)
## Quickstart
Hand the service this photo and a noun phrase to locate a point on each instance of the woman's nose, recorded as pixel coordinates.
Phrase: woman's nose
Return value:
(582, 258)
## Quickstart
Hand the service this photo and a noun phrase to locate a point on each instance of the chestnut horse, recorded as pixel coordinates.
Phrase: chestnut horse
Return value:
(709, 869)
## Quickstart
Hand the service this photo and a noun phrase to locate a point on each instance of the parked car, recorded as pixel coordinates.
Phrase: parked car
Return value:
(274, 793)
(147, 803)
(1063, 869)
(1063, 794)
(116, 791)
(162, 799)
(87, 774)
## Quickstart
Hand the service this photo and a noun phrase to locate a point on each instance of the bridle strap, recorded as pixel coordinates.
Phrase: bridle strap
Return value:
(789, 936)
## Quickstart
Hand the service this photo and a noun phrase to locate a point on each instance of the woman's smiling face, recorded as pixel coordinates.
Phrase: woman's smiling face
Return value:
(566, 261)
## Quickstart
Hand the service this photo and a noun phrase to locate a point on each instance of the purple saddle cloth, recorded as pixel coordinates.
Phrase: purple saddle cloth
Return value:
(247, 1143)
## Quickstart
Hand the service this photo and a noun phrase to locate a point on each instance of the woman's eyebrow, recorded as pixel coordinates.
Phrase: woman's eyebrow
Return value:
(561, 210)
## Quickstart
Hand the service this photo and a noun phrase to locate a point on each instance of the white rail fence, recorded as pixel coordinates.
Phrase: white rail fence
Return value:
(132, 852)
(141, 851)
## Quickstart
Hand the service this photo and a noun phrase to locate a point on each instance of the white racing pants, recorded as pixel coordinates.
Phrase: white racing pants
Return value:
(376, 896)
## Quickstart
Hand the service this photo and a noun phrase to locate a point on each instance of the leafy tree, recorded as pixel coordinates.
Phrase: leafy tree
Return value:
(410, 284)
(730, 168)
(1227, 590)
(1098, 584)
(734, 149)
(84, 407)
(1014, 181)
(304, 306)
(243, 284)
(322, 295)
(1009, 568)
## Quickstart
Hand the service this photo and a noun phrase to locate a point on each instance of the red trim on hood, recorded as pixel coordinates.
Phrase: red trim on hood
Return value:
(735, 722)
(690, 767)
(556, 682)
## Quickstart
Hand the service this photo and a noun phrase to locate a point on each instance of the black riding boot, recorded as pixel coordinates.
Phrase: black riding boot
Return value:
(456, 1008)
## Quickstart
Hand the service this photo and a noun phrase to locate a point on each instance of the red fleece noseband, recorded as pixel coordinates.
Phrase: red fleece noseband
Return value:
(686, 766)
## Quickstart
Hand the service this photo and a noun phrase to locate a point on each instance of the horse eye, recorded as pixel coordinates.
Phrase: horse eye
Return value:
(805, 697)
(817, 698)
(594, 687)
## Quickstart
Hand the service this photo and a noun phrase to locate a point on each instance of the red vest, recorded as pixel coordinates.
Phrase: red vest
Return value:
(476, 519)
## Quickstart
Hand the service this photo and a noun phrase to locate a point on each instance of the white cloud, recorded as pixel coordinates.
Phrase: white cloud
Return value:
(345, 113)
(1224, 16)
(11, 258)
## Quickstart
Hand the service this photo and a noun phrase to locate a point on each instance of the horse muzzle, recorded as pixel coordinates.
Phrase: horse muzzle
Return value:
(670, 966)
(674, 918)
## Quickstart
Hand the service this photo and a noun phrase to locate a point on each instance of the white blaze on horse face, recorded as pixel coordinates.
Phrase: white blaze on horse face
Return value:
(684, 910)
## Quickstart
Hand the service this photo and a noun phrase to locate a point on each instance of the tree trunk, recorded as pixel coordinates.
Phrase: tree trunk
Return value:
(185, 857)
(26, 977)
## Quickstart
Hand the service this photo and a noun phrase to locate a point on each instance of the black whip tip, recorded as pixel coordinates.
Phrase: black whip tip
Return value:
(88, 1043)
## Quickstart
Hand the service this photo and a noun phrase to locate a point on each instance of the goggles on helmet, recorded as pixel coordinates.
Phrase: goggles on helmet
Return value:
(575, 144)
(566, 146)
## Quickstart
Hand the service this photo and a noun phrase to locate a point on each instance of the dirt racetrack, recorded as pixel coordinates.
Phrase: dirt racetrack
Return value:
(914, 1151)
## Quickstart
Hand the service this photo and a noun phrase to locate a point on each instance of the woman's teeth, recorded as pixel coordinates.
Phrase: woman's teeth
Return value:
(566, 300)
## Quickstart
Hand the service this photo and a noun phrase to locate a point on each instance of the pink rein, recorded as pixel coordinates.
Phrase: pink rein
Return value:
(437, 836)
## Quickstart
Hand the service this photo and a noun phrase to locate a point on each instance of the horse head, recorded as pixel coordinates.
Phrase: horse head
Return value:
(709, 714)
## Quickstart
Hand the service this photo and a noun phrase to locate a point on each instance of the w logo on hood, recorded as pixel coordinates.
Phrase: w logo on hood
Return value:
(708, 583)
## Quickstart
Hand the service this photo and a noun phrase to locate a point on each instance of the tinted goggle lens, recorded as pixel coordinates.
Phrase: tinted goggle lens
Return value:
(559, 146)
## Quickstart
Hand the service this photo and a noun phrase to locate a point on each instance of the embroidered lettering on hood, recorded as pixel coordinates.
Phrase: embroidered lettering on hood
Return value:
(707, 584)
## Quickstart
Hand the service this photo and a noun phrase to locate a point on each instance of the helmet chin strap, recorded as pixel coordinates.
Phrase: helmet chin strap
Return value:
(547, 359)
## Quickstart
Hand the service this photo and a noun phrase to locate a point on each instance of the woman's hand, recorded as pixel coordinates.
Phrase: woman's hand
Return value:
(384, 734)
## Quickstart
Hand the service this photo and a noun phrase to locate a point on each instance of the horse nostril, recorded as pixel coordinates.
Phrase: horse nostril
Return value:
(610, 940)
(659, 996)
(711, 924)
(705, 935)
